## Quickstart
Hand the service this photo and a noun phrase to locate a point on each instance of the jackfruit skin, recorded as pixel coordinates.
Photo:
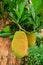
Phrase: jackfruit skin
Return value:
(31, 39)
(19, 44)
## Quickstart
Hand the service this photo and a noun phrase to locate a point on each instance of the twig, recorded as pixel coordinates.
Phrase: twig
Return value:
(20, 26)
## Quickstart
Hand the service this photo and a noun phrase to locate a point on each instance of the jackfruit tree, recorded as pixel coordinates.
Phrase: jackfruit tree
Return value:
(24, 18)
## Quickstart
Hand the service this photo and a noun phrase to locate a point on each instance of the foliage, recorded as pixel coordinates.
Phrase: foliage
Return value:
(39, 40)
(27, 17)
(35, 55)
(24, 14)
(38, 5)
(7, 29)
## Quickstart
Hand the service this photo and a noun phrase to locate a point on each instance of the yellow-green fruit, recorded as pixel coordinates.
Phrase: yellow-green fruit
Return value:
(31, 39)
(20, 44)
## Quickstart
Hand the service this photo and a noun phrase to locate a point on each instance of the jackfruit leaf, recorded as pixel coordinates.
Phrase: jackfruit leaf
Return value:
(19, 10)
(41, 18)
(26, 22)
(12, 16)
(25, 15)
(32, 11)
(37, 21)
(10, 4)
(19, 1)
(7, 29)
(41, 21)
(37, 5)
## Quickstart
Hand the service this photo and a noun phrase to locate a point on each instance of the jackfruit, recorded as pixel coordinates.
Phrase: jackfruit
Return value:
(31, 39)
(19, 44)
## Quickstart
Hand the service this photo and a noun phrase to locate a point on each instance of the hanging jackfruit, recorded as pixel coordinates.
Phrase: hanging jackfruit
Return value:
(31, 39)
(19, 44)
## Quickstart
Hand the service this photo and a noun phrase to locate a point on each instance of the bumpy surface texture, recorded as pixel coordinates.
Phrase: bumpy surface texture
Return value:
(31, 39)
(20, 44)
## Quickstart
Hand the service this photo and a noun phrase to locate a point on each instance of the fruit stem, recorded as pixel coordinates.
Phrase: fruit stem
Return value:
(20, 26)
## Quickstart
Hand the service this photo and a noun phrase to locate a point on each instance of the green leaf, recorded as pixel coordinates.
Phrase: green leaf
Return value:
(5, 34)
(37, 21)
(12, 16)
(37, 5)
(32, 11)
(20, 1)
(41, 18)
(6, 29)
(19, 10)
(25, 15)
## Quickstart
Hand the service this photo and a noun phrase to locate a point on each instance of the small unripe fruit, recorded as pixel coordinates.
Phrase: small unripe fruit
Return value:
(31, 39)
